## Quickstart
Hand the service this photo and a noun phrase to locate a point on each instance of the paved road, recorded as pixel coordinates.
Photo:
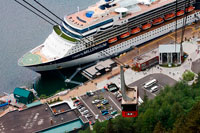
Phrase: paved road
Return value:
(162, 79)
(195, 66)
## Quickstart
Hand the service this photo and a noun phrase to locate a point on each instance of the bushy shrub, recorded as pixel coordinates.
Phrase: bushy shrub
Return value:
(188, 76)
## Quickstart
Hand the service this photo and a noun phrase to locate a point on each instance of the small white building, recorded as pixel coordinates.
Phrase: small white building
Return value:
(170, 54)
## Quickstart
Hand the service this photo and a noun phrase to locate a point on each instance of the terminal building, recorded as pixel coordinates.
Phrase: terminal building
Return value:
(59, 117)
(146, 60)
(99, 69)
(170, 54)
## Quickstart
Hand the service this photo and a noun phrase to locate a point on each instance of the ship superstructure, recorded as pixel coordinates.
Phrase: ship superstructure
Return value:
(107, 29)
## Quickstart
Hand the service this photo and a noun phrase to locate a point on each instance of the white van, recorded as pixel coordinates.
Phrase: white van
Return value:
(140, 101)
(154, 89)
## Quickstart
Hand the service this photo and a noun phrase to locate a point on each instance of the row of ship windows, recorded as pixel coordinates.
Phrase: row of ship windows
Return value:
(143, 36)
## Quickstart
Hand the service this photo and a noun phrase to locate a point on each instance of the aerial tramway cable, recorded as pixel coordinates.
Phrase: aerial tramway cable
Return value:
(48, 10)
(34, 12)
(40, 12)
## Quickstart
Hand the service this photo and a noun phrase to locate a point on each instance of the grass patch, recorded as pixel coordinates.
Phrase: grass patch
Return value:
(172, 65)
(68, 38)
(60, 33)
(57, 30)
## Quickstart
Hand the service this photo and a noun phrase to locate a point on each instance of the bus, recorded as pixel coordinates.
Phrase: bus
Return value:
(150, 83)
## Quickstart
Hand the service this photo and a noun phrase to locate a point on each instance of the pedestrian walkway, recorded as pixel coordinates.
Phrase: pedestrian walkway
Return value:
(175, 72)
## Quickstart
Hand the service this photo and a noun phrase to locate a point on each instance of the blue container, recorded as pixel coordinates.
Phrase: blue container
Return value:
(89, 14)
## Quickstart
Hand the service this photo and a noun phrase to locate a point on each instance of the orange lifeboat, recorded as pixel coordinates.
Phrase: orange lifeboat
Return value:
(146, 26)
(180, 13)
(125, 35)
(189, 9)
(135, 30)
(112, 40)
(169, 16)
(158, 21)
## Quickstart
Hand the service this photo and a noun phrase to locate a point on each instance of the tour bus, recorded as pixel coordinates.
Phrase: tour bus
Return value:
(150, 83)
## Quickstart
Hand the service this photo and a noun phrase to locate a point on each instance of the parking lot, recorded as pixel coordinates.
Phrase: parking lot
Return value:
(99, 96)
(162, 81)
(93, 105)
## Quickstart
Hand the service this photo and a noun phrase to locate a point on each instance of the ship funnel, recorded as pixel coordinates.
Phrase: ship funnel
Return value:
(125, 88)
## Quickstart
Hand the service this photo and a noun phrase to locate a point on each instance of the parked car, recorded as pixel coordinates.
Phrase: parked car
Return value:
(90, 93)
(119, 95)
(99, 106)
(88, 115)
(85, 112)
(140, 101)
(102, 111)
(96, 101)
(154, 89)
(104, 102)
(110, 117)
(80, 106)
(119, 99)
(76, 101)
(112, 87)
(110, 108)
(116, 93)
(82, 109)
(113, 112)
(105, 113)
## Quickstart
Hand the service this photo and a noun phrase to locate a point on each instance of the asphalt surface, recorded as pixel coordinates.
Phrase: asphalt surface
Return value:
(34, 119)
(92, 108)
(162, 79)
(195, 66)
(86, 100)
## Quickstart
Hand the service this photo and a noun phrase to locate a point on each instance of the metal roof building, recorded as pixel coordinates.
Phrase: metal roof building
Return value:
(23, 96)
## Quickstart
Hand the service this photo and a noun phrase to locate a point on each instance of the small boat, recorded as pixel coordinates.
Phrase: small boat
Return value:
(146, 26)
(112, 40)
(125, 35)
(158, 21)
(189, 9)
(180, 13)
(169, 16)
(135, 30)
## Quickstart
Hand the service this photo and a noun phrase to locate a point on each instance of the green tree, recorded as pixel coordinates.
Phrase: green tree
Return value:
(159, 128)
(109, 127)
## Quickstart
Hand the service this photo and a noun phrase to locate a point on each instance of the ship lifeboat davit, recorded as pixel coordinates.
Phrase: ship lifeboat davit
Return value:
(189, 9)
(180, 13)
(112, 40)
(146, 26)
(169, 16)
(158, 21)
(125, 35)
(135, 30)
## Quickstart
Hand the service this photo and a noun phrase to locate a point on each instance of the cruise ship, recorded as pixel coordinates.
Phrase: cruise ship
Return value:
(107, 29)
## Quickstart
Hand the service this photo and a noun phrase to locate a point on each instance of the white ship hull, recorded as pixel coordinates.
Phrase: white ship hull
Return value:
(119, 48)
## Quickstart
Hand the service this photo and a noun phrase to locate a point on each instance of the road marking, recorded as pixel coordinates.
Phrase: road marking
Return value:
(114, 103)
(88, 107)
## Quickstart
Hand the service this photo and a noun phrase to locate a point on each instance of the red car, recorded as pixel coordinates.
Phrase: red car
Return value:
(76, 101)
